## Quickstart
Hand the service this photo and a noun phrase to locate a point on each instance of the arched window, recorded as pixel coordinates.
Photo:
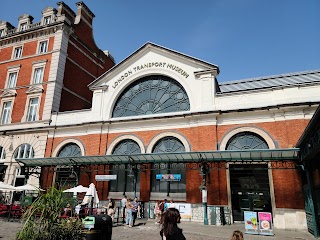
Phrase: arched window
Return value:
(151, 95)
(246, 140)
(168, 145)
(68, 177)
(124, 183)
(70, 150)
(24, 151)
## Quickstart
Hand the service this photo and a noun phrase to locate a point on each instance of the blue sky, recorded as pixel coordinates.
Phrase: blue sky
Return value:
(245, 38)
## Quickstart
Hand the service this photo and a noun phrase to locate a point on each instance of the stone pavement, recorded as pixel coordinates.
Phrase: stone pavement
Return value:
(148, 230)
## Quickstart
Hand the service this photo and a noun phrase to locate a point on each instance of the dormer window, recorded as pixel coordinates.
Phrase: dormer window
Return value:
(17, 52)
(43, 47)
(47, 20)
(23, 26)
(1, 32)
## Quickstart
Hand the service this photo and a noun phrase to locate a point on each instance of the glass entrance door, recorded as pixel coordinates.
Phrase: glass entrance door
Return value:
(250, 189)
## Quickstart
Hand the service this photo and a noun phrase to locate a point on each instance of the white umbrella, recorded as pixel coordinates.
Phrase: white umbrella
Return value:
(92, 192)
(28, 187)
(77, 189)
(7, 187)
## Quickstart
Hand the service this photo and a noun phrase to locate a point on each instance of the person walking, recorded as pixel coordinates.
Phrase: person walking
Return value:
(170, 229)
(123, 206)
(135, 207)
(129, 212)
(157, 212)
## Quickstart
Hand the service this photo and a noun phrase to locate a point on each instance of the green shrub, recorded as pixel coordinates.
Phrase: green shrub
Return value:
(42, 219)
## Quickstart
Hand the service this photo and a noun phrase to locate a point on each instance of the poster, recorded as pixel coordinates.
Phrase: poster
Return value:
(168, 177)
(251, 222)
(184, 209)
(265, 223)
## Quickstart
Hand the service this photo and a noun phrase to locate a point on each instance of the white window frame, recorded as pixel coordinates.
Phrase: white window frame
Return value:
(12, 80)
(39, 49)
(33, 110)
(26, 109)
(11, 70)
(35, 66)
(23, 150)
(46, 21)
(3, 102)
(23, 26)
(14, 52)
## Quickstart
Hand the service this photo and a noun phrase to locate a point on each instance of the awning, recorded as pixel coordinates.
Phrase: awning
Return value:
(263, 155)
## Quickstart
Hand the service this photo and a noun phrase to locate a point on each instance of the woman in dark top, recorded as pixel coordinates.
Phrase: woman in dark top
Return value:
(170, 229)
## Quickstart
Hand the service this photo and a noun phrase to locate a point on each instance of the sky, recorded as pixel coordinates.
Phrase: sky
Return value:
(245, 38)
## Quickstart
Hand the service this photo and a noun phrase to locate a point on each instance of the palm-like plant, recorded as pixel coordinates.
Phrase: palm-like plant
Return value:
(42, 220)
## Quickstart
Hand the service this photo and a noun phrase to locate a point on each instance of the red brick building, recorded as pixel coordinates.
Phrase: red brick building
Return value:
(163, 124)
(45, 67)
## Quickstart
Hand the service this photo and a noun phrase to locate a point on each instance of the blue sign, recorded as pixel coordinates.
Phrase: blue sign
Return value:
(168, 177)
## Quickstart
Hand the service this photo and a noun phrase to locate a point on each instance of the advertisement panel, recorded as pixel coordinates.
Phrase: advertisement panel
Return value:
(251, 222)
(168, 177)
(265, 223)
(184, 209)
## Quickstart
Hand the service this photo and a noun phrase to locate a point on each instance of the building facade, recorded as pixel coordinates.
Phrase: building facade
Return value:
(38, 65)
(163, 113)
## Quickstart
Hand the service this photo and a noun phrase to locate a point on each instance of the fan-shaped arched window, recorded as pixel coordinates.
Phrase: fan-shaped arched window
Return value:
(168, 145)
(70, 150)
(151, 95)
(246, 140)
(68, 177)
(124, 183)
(24, 151)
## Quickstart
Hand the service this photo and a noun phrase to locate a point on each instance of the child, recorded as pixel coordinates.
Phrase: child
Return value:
(237, 235)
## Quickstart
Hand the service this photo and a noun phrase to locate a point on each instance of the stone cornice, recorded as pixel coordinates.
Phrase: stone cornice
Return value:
(32, 33)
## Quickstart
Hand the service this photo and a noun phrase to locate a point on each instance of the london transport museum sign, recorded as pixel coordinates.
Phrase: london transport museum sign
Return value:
(150, 65)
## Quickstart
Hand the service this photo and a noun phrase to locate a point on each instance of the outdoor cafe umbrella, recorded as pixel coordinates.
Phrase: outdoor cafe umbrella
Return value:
(28, 187)
(7, 187)
(91, 197)
(77, 189)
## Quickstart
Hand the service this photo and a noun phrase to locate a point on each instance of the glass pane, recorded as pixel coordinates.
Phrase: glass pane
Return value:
(167, 145)
(70, 150)
(124, 183)
(151, 95)
(246, 140)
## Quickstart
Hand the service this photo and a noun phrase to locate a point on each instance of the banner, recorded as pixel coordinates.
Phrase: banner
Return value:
(265, 223)
(168, 177)
(251, 222)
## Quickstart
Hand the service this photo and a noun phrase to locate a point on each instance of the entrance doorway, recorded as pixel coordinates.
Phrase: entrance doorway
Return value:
(250, 190)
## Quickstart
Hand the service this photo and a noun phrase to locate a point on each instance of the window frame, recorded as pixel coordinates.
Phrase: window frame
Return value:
(23, 26)
(10, 82)
(37, 65)
(26, 110)
(12, 69)
(17, 151)
(45, 22)
(2, 111)
(39, 51)
(14, 52)
(33, 109)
